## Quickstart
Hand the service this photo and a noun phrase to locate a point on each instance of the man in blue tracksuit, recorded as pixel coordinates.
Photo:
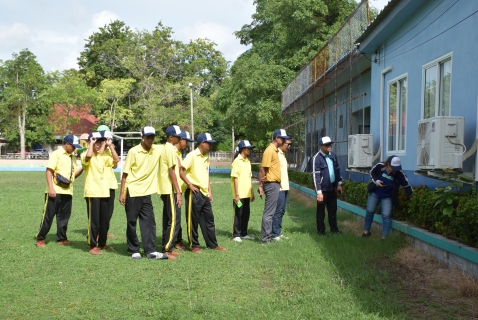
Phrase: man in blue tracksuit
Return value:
(327, 182)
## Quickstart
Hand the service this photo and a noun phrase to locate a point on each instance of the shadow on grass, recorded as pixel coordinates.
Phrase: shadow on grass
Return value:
(352, 256)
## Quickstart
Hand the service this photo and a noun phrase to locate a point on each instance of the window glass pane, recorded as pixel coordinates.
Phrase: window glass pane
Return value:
(392, 116)
(445, 88)
(430, 92)
(403, 114)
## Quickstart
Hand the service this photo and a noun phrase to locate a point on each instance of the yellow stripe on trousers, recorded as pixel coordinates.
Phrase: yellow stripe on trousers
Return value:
(168, 246)
(44, 211)
(190, 205)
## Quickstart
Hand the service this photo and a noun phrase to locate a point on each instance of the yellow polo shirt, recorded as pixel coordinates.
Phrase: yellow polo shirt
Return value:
(241, 169)
(60, 161)
(96, 175)
(177, 168)
(142, 169)
(168, 160)
(197, 170)
(270, 159)
(111, 177)
(284, 175)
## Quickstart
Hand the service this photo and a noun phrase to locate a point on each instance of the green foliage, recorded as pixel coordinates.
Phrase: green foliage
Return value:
(284, 36)
(23, 111)
(451, 214)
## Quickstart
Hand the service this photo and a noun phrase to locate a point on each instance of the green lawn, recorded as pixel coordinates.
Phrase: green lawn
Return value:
(304, 277)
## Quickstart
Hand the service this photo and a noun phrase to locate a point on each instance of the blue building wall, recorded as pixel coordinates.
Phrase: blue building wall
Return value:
(410, 46)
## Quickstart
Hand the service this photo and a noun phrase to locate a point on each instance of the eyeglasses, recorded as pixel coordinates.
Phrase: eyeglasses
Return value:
(288, 143)
(327, 145)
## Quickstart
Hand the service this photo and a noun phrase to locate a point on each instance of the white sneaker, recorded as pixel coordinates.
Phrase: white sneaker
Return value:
(277, 238)
(157, 255)
(237, 239)
(136, 256)
(247, 238)
(283, 237)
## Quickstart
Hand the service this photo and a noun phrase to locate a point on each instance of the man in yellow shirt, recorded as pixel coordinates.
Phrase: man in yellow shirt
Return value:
(242, 193)
(138, 183)
(170, 191)
(283, 193)
(61, 172)
(181, 146)
(199, 196)
(269, 182)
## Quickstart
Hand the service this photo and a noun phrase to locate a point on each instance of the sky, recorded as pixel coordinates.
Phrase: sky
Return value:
(55, 30)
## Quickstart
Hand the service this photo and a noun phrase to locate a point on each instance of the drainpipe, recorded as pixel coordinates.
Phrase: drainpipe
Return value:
(384, 71)
(476, 138)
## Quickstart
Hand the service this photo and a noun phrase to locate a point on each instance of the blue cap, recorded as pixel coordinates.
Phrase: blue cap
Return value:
(281, 134)
(395, 163)
(96, 135)
(173, 131)
(186, 136)
(245, 144)
(73, 140)
(148, 131)
(205, 137)
(106, 134)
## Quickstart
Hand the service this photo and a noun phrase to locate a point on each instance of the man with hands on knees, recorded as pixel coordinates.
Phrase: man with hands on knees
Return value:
(327, 182)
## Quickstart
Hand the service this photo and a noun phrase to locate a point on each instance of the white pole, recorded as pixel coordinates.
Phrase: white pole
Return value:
(192, 116)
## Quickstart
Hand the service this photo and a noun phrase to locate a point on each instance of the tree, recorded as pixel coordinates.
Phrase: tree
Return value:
(23, 81)
(102, 57)
(71, 94)
(284, 36)
(113, 93)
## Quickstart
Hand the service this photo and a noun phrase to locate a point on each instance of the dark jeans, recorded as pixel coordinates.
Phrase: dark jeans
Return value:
(330, 201)
(280, 211)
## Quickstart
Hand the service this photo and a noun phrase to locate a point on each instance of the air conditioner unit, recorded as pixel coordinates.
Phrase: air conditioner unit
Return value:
(440, 143)
(360, 151)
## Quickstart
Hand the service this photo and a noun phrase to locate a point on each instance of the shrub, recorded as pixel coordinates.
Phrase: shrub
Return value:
(451, 214)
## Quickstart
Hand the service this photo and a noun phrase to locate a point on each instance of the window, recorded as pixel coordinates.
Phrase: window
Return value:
(437, 88)
(397, 114)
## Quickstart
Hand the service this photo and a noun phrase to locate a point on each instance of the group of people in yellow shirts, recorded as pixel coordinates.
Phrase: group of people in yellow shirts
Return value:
(149, 169)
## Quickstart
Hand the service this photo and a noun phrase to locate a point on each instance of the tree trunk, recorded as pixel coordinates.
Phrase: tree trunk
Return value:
(21, 129)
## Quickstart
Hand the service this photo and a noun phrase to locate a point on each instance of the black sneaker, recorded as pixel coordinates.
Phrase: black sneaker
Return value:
(322, 233)
(336, 232)
(365, 235)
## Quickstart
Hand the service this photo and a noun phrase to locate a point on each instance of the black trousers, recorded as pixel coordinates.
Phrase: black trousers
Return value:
(241, 218)
(199, 211)
(98, 220)
(142, 208)
(330, 201)
(171, 221)
(111, 205)
(60, 206)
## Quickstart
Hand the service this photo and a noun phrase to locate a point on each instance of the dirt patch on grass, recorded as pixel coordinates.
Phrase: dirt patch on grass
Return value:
(302, 198)
(430, 290)
(426, 288)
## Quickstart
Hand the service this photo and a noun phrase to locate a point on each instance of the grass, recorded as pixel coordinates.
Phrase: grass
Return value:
(304, 277)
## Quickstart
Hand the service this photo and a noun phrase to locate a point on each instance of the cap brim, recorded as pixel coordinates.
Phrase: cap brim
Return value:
(248, 147)
(284, 137)
(188, 140)
(149, 134)
(76, 146)
(396, 168)
(210, 141)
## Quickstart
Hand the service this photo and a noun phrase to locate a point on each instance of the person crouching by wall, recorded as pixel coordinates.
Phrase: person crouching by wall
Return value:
(386, 179)
(61, 172)
(242, 193)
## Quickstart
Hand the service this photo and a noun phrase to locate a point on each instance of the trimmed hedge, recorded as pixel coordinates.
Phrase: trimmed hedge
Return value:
(424, 209)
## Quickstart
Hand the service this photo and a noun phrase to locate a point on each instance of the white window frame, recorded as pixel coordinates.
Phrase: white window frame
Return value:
(398, 125)
(436, 62)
